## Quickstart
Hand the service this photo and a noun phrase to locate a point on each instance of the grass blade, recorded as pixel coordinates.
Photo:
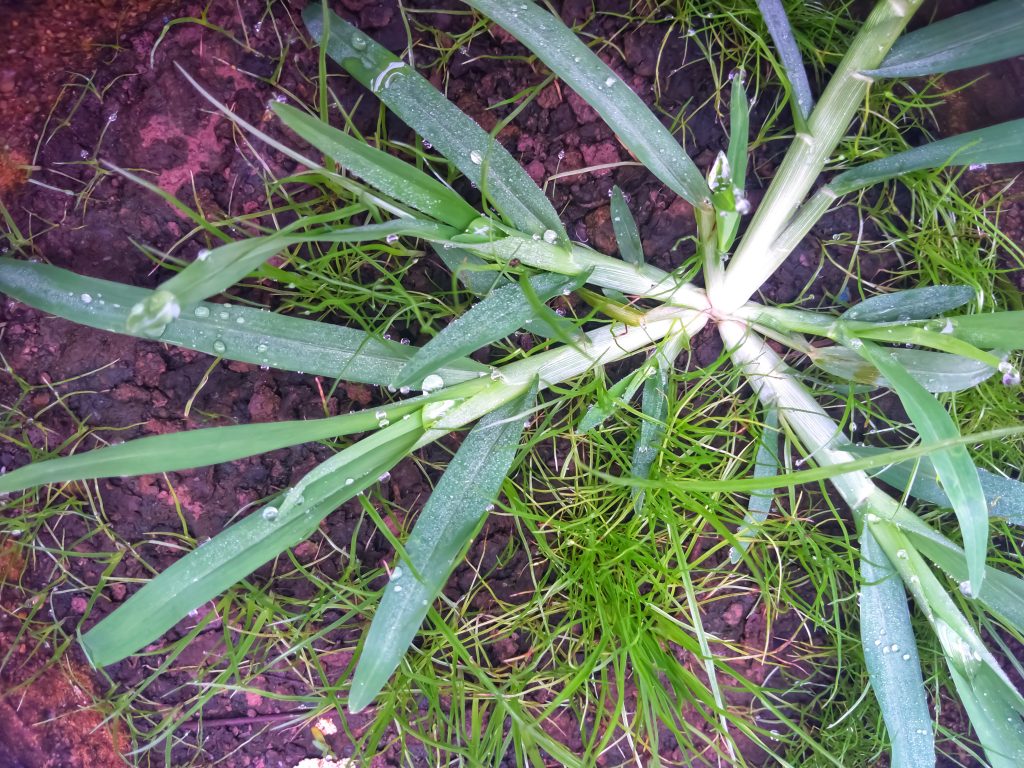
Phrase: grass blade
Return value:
(237, 333)
(890, 651)
(444, 529)
(388, 174)
(953, 465)
(781, 32)
(1002, 143)
(627, 235)
(619, 393)
(504, 311)
(911, 304)
(418, 104)
(766, 464)
(243, 547)
(195, 448)
(935, 371)
(739, 134)
(991, 32)
(633, 122)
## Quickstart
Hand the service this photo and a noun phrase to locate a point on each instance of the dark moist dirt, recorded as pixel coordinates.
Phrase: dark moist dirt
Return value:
(149, 118)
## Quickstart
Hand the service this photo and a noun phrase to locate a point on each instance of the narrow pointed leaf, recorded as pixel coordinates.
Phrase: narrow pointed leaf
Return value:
(624, 112)
(1002, 143)
(935, 371)
(388, 174)
(504, 311)
(195, 448)
(620, 392)
(237, 333)
(911, 304)
(455, 135)
(781, 32)
(990, 32)
(766, 464)
(654, 404)
(243, 547)
(953, 465)
(739, 133)
(444, 529)
(890, 651)
(627, 235)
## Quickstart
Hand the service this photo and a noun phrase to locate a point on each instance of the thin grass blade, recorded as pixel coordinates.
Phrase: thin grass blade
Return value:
(455, 135)
(633, 122)
(766, 464)
(243, 547)
(388, 174)
(236, 333)
(504, 311)
(1002, 143)
(627, 234)
(444, 529)
(955, 469)
(781, 32)
(620, 392)
(991, 32)
(935, 371)
(739, 134)
(911, 304)
(890, 651)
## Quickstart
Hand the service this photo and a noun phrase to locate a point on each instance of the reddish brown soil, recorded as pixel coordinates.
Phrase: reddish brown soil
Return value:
(149, 118)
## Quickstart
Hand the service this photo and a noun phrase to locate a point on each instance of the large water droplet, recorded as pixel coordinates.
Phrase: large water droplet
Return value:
(432, 383)
(86, 298)
(476, 157)
(203, 254)
(550, 236)
(270, 514)
(219, 347)
(202, 312)
(359, 43)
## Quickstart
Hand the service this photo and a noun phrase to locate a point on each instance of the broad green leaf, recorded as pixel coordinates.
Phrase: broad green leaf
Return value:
(995, 713)
(911, 304)
(917, 478)
(1002, 143)
(654, 404)
(953, 465)
(236, 333)
(243, 547)
(392, 176)
(196, 448)
(766, 464)
(455, 135)
(445, 528)
(935, 371)
(890, 652)
(627, 235)
(504, 311)
(990, 32)
(739, 133)
(781, 32)
(997, 330)
(921, 337)
(624, 112)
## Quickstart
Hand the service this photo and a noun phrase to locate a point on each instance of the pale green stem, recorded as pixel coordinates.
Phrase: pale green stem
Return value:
(806, 157)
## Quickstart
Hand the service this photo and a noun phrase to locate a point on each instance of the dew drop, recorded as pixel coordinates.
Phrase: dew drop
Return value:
(261, 348)
(86, 298)
(219, 347)
(391, 239)
(609, 82)
(384, 478)
(359, 43)
(203, 254)
(398, 587)
(270, 514)
(349, 481)
(906, 657)
(432, 383)
(550, 236)
(476, 157)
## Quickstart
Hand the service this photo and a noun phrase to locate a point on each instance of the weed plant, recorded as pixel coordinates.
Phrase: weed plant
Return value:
(644, 500)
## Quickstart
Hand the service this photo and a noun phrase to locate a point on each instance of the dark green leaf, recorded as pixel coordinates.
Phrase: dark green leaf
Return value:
(911, 304)
(766, 464)
(626, 233)
(792, 62)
